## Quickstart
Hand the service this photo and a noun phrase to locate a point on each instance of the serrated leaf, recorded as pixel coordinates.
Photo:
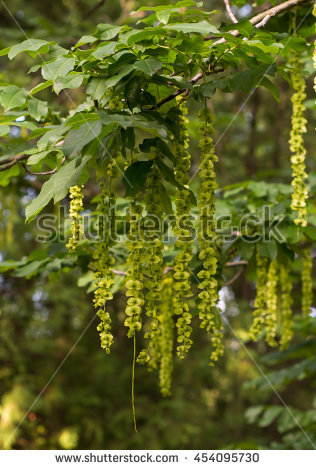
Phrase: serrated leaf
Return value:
(70, 81)
(78, 138)
(37, 109)
(30, 45)
(12, 96)
(202, 27)
(59, 67)
(40, 87)
(148, 66)
(96, 88)
(57, 186)
(104, 49)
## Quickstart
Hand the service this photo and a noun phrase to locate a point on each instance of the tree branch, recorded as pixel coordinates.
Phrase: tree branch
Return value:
(229, 12)
(259, 21)
(95, 8)
(9, 162)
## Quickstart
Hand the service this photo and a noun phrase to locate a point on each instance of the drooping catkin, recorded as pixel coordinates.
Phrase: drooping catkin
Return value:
(183, 231)
(154, 264)
(307, 283)
(298, 128)
(260, 311)
(271, 319)
(76, 206)
(286, 307)
(209, 314)
(135, 275)
(166, 336)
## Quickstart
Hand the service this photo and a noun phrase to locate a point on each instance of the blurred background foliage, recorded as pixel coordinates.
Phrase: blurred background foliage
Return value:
(58, 390)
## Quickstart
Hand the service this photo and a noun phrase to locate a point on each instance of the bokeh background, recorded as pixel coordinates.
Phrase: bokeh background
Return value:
(58, 389)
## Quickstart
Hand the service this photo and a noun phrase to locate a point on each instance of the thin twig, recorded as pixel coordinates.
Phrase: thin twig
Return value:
(50, 172)
(233, 279)
(229, 12)
(95, 8)
(9, 162)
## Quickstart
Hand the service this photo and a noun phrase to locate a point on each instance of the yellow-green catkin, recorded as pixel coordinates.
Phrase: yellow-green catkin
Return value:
(183, 231)
(286, 307)
(314, 51)
(154, 264)
(209, 314)
(307, 283)
(76, 206)
(272, 303)
(135, 275)
(260, 311)
(298, 128)
(166, 336)
(104, 259)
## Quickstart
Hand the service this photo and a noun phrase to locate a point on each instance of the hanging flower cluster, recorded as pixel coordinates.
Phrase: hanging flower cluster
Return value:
(166, 336)
(286, 307)
(300, 194)
(272, 303)
(154, 258)
(307, 283)
(183, 231)
(208, 312)
(104, 262)
(134, 278)
(76, 206)
(260, 300)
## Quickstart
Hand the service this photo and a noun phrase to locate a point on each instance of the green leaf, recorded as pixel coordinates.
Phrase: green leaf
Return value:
(135, 120)
(30, 45)
(58, 68)
(70, 81)
(78, 138)
(112, 81)
(148, 66)
(40, 87)
(104, 49)
(107, 31)
(12, 96)
(268, 249)
(5, 176)
(57, 186)
(96, 88)
(202, 27)
(135, 177)
(165, 199)
(37, 157)
(4, 129)
(85, 40)
(164, 15)
(37, 109)
(269, 415)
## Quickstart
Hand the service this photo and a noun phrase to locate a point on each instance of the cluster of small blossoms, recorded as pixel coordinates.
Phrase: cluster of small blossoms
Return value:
(286, 310)
(272, 303)
(209, 314)
(260, 300)
(307, 283)
(183, 231)
(134, 278)
(166, 336)
(76, 206)
(154, 262)
(104, 261)
(300, 194)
